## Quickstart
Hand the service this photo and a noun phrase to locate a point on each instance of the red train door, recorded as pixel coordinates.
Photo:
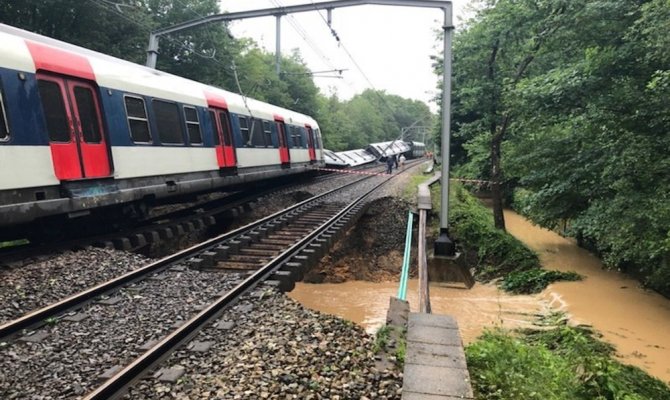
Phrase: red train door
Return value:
(310, 144)
(223, 142)
(74, 126)
(284, 155)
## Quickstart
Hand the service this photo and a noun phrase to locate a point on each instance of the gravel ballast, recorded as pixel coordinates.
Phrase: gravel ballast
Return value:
(267, 346)
(69, 360)
(43, 282)
(276, 349)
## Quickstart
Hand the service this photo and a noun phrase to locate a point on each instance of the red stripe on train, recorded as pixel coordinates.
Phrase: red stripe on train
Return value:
(48, 58)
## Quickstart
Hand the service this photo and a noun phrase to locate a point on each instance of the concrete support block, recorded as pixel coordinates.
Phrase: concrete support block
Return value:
(138, 240)
(122, 244)
(222, 252)
(165, 233)
(152, 236)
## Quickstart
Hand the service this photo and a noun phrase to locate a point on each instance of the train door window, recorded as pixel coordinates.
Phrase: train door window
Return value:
(167, 122)
(4, 126)
(137, 120)
(295, 136)
(267, 130)
(257, 136)
(88, 114)
(225, 126)
(317, 142)
(51, 96)
(244, 130)
(212, 116)
(192, 125)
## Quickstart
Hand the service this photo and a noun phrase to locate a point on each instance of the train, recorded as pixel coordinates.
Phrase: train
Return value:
(86, 134)
(374, 152)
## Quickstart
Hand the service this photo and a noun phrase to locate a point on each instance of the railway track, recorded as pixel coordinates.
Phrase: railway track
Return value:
(275, 250)
(158, 228)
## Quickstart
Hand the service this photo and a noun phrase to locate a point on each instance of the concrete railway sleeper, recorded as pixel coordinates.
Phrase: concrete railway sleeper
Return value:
(276, 255)
(163, 227)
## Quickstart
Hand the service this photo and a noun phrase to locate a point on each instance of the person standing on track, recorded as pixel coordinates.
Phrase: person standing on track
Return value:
(402, 161)
(389, 164)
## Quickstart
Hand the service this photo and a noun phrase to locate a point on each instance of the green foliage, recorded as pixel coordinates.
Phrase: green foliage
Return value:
(372, 116)
(599, 375)
(382, 338)
(498, 253)
(559, 363)
(587, 141)
(535, 280)
(503, 367)
(401, 351)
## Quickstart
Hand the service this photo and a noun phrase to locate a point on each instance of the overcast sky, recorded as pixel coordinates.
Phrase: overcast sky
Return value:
(391, 45)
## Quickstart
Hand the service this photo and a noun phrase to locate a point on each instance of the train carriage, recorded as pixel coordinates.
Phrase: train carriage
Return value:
(80, 130)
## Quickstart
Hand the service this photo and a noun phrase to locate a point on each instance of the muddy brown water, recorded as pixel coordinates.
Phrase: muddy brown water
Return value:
(636, 321)
(366, 303)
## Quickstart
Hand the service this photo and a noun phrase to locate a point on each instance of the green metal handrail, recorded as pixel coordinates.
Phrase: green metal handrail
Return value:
(404, 275)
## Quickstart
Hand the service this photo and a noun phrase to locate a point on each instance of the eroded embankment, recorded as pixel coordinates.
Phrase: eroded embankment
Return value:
(371, 251)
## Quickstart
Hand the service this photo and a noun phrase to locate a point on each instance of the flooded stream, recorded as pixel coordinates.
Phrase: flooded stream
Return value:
(636, 321)
(366, 304)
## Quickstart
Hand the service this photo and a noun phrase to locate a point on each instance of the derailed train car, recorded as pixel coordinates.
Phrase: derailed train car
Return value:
(83, 133)
(375, 152)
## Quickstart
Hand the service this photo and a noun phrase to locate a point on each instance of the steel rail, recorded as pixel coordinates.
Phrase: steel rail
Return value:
(39, 316)
(116, 386)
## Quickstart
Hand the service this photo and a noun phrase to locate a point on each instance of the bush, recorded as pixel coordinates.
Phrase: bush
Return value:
(560, 363)
(498, 252)
(535, 280)
(599, 375)
(503, 367)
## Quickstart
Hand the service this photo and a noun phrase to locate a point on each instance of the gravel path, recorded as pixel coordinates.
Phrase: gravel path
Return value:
(276, 349)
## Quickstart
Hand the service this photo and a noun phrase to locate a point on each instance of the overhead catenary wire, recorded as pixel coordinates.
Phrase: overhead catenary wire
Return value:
(351, 57)
(232, 68)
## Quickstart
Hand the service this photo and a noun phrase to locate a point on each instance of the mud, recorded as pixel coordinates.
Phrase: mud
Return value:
(371, 251)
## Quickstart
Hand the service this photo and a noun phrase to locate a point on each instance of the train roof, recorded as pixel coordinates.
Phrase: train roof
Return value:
(383, 149)
(29, 52)
(333, 159)
(356, 157)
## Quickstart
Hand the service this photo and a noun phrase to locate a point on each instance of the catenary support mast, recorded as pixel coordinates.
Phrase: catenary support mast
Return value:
(444, 246)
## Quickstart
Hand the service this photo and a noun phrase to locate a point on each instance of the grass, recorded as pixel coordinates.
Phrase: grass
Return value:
(561, 362)
(382, 338)
(410, 191)
(401, 350)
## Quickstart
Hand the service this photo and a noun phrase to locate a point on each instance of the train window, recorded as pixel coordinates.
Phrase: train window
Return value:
(267, 130)
(88, 114)
(137, 119)
(192, 125)
(225, 126)
(317, 138)
(257, 136)
(54, 110)
(212, 116)
(244, 130)
(4, 126)
(167, 122)
(295, 136)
